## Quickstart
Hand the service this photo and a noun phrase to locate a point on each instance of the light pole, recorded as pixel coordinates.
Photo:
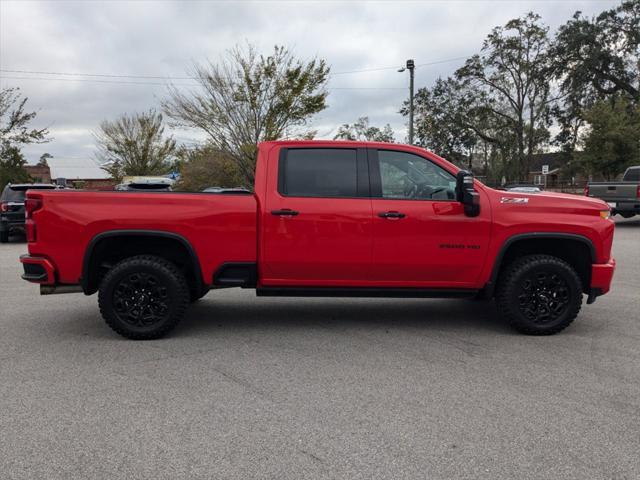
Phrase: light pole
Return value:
(410, 66)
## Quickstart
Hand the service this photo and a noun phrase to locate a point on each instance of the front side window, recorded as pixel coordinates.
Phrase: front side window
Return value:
(412, 177)
(319, 172)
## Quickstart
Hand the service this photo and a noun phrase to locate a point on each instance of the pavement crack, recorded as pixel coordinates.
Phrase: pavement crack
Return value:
(312, 456)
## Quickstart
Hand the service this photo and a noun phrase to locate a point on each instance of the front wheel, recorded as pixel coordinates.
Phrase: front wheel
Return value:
(539, 294)
(143, 297)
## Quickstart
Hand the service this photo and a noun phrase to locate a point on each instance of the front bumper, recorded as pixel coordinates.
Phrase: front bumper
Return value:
(601, 277)
(38, 270)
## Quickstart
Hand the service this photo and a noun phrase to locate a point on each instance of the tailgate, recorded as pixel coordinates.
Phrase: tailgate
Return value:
(614, 192)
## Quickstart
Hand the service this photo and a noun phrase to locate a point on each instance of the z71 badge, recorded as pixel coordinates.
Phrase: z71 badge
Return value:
(514, 200)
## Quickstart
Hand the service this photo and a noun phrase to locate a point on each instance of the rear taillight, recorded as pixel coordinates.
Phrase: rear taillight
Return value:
(31, 205)
(586, 190)
(638, 191)
(4, 207)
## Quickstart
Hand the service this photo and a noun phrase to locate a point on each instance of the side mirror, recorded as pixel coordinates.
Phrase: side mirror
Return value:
(466, 194)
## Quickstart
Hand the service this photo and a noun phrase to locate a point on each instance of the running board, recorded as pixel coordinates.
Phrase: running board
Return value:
(365, 292)
(55, 289)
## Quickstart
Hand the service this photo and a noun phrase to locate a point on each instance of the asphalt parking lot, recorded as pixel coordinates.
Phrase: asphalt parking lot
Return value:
(314, 388)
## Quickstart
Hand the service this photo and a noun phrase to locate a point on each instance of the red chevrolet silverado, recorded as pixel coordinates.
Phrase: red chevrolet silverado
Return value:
(326, 218)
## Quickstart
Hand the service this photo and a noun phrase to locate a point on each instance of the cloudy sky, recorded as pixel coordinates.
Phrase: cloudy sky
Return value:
(125, 42)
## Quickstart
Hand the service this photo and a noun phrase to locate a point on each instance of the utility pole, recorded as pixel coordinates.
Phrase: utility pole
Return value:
(410, 66)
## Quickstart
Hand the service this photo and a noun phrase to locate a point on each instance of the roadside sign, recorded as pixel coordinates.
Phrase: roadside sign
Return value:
(545, 169)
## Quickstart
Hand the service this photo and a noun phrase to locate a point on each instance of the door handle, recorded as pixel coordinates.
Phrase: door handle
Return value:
(285, 212)
(391, 215)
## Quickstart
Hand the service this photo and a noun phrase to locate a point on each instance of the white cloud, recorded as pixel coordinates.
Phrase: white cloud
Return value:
(162, 38)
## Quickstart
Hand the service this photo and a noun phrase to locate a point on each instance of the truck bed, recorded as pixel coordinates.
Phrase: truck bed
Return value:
(220, 227)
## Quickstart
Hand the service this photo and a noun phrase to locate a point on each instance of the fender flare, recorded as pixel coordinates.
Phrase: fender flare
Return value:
(88, 254)
(491, 284)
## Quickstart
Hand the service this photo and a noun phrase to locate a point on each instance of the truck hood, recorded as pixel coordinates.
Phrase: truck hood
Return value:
(569, 197)
(550, 201)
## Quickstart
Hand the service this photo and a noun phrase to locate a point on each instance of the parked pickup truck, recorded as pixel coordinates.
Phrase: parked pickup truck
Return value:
(326, 219)
(623, 197)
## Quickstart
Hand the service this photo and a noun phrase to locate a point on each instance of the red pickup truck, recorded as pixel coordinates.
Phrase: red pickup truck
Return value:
(326, 219)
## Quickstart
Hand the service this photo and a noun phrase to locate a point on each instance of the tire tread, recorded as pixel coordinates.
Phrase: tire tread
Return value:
(148, 261)
(507, 281)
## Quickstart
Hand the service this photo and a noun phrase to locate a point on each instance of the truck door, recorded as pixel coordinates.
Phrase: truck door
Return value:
(421, 236)
(317, 219)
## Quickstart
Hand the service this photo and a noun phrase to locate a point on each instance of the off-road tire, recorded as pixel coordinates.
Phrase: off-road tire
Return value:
(167, 296)
(4, 236)
(515, 301)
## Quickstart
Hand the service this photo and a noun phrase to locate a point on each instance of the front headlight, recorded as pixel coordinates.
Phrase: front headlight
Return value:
(606, 214)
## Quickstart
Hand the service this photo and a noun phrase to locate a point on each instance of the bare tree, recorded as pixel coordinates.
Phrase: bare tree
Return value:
(134, 145)
(247, 98)
(361, 130)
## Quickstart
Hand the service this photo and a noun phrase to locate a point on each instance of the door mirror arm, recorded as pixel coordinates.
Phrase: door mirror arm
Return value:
(466, 193)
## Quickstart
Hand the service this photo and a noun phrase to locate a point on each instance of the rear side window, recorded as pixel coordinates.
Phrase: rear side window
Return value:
(632, 175)
(319, 172)
(11, 195)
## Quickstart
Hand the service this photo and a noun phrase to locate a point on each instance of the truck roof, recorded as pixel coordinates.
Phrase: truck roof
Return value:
(349, 143)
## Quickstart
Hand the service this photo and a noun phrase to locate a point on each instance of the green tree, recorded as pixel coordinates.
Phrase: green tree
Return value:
(612, 142)
(12, 164)
(15, 132)
(207, 166)
(42, 162)
(509, 89)
(601, 53)
(14, 121)
(248, 98)
(361, 130)
(593, 59)
(134, 145)
(441, 120)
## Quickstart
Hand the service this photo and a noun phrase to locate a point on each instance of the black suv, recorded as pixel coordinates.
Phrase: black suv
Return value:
(12, 207)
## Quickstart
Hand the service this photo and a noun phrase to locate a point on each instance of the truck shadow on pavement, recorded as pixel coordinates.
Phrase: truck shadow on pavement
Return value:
(211, 315)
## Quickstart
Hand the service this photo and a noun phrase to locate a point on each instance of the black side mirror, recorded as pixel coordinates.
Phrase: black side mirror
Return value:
(466, 194)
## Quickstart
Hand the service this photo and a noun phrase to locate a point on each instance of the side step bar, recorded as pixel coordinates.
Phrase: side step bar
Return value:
(54, 289)
(365, 292)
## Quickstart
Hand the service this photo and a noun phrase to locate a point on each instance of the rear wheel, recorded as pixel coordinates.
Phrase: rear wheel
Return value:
(4, 236)
(539, 294)
(143, 297)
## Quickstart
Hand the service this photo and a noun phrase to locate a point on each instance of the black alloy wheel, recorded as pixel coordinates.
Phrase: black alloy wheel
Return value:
(539, 294)
(143, 297)
(140, 299)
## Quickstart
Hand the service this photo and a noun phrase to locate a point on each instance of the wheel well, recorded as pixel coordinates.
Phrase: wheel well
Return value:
(577, 253)
(107, 250)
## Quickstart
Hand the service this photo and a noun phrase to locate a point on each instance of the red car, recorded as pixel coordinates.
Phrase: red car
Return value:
(326, 218)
